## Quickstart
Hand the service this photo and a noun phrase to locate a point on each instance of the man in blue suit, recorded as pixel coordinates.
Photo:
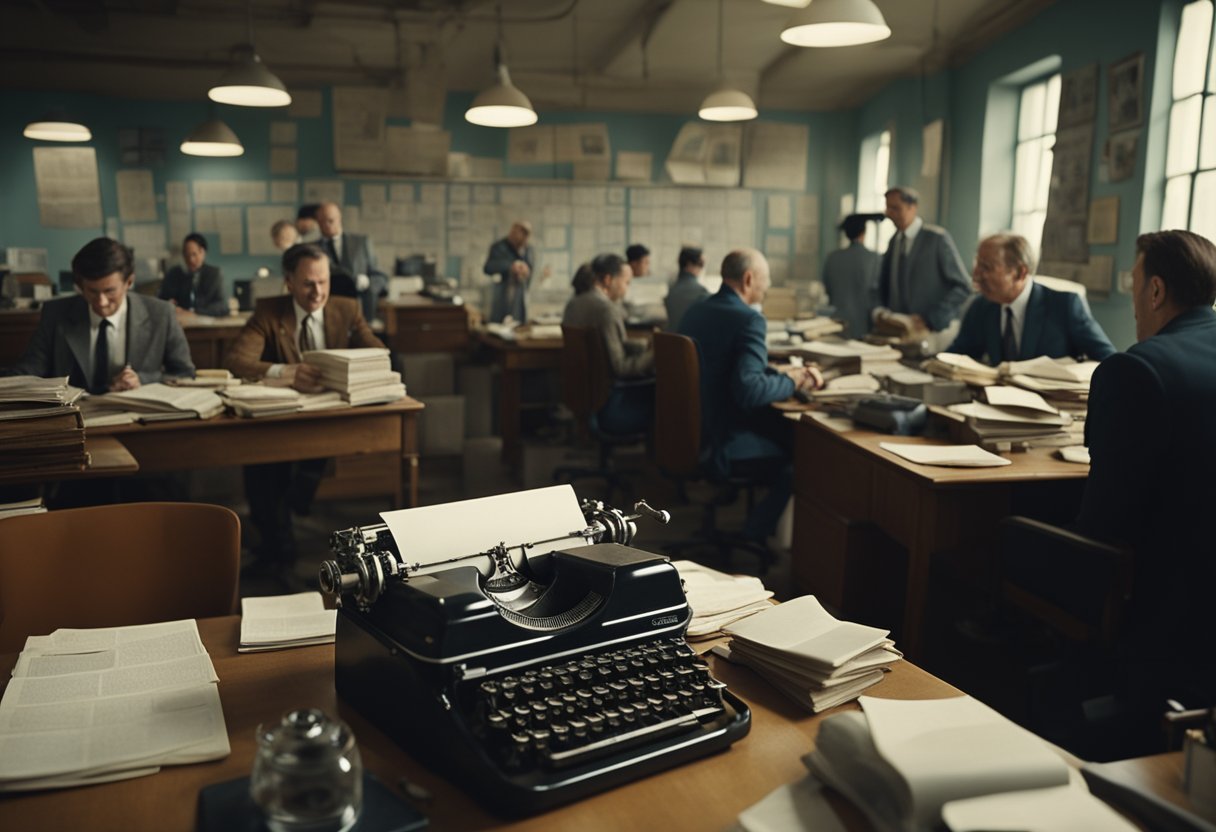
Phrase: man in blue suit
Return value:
(738, 385)
(1016, 318)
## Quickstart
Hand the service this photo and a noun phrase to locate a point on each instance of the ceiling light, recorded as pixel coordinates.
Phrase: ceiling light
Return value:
(501, 105)
(248, 83)
(57, 126)
(727, 104)
(793, 4)
(836, 23)
(212, 138)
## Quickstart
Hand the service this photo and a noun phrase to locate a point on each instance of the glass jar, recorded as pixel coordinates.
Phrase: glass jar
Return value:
(307, 775)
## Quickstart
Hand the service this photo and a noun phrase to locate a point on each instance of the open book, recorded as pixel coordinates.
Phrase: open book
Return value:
(185, 402)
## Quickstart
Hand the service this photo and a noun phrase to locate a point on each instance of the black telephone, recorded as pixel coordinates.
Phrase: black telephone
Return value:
(900, 415)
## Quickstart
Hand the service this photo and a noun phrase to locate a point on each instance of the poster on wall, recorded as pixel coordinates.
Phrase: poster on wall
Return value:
(1079, 96)
(359, 128)
(69, 195)
(776, 156)
(1125, 106)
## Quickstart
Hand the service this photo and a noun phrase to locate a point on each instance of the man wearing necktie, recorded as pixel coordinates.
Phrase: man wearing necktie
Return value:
(270, 347)
(922, 273)
(352, 261)
(1016, 319)
(194, 287)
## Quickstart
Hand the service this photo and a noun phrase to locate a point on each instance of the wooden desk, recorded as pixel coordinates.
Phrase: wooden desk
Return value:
(515, 358)
(228, 440)
(108, 458)
(415, 323)
(844, 482)
(258, 687)
(210, 338)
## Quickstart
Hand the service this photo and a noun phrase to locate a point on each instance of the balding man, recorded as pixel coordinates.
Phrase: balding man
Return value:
(353, 269)
(1016, 318)
(738, 385)
(510, 263)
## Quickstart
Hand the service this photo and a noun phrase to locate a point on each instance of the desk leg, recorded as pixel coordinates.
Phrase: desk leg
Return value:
(409, 463)
(508, 417)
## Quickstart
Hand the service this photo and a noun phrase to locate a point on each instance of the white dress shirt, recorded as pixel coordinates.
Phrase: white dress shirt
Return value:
(1018, 306)
(116, 339)
(909, 234)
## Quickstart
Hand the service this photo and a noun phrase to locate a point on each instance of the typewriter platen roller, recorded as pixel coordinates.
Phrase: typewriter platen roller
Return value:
(529, 675)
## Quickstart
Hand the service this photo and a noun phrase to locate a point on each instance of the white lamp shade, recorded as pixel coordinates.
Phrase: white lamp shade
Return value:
(836, 23)
(728, 105)
(501, 105)
(248, 83)
(212, 138)
(57, 126)
(793, 4)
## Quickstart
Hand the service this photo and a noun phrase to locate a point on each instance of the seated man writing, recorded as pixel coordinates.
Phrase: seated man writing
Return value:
(630, 407)
(106, 338)
(270, 346)
(1016, 318)
(738, 386)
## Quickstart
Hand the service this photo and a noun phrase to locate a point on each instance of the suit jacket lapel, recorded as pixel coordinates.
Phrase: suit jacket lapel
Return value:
(334, 329)
(289, 349)
(1032, 327)
(76, 334)
(992, 330)
(139, 332)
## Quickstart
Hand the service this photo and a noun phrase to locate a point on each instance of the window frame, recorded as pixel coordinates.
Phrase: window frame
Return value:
(1186, 179)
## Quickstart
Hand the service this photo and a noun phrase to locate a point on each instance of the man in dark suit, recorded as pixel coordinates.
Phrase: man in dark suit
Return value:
(510, 262)
(270, 346)
(850, 276)
(1017, 318)
(352, 261)
(106, 338)
(922, 274)
(195, 286)
(737, 386)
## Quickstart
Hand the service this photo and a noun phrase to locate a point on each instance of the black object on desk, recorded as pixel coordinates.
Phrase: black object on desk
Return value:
(891, 414)
(228, 807)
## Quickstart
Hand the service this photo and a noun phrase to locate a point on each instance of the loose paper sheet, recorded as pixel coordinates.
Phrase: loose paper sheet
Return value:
(69, 194)
(931, 149)
(147, 239)
(324, 190)
(136, 197)
(634, 167)
(951, 456)
(229, 192)
(1103, 221)
(530, 145)
(777, 156)
(285, 191)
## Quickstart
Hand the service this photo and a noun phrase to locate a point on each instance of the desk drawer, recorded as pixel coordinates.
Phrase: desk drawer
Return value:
(833, 473)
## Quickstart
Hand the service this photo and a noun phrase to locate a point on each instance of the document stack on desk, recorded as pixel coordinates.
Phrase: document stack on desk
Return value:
(362, 376)
(40, 428)
(962, 368)
(874, 359)
(33, 505)
(1062, 382)
(810, 329)
(154, 403)
(280, 621)
(91, 706)
(1015, 416)
(807, 654)
(211, 379)
(718, 599)
(33, 389)
(258, 400)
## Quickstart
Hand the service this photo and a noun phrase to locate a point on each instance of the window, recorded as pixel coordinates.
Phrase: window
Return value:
(1038, 106)
(873, 182)
(1190, 157)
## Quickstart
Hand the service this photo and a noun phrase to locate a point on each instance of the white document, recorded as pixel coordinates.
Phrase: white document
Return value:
(634, 167)
(229, 192)
(777, 156)
(285, 621)
(1003, 396)
(1074, 453)
(779, 212)
(69, 640)
(530, 145)
(285, 191)
(432, 535)
(324, 190)
(148, 239)
(1051, 368)
(950, 456)
(69, 192)
(1015, 415)
(156, 648)
(136, 197)
(581, 143)
(177, 197)
(76, 687)
(1055, 809)
(803, 629)
(800, 805)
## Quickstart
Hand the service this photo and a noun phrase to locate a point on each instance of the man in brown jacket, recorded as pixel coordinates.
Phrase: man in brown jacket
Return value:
(269, 347)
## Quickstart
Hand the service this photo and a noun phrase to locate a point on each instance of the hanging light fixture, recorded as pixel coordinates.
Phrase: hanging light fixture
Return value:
(727, 103)
(502, 105)
(212, 138)
(57, 126)
(247, 82)
(836, 23)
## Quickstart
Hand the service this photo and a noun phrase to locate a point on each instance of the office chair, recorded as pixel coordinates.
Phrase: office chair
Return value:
(115, 565)
(677, 448)
(586, 385)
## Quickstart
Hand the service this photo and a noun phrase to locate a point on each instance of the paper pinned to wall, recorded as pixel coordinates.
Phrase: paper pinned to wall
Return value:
(1097, 275)
(229, 191)
(485, 167)
(776, 156)
(582, 143)
(634, 167)
(592, 170)
(148, 239)
(399, 192)
(780, 214)
(204, 219)
(231, 227)
(530, 145)
(686, 160)
(136, 197)
(304, 104)
(285, 191)
(931, 149)
(372, 193)
(1078, 96)
(417, 150)
(283, 132)
(259, 220)
(284, 160)
(324, 190)
(1103, 221)
(359, 128)
(776, 245)
(177, 197)
(69, 192)
(724, 155)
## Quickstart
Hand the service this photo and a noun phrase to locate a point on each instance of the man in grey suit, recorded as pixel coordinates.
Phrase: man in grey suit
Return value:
(353, 268)
(922, 273)
(850, 276)
(687, 289)
(105, 338)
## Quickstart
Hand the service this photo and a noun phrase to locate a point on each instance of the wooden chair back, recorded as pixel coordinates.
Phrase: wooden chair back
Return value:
(677, 405)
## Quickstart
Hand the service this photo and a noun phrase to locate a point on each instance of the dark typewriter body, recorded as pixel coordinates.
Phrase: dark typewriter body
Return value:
(586, 685)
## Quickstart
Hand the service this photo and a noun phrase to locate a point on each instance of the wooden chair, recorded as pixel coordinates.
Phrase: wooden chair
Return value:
(677, 446)
(586, 385)
(116, 565)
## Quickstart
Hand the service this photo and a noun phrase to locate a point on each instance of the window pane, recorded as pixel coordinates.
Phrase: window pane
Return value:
(1203, 208)
(1183, 149)
(1030, 112)
(1207, 136)
(1025, 176)
(1034, 230)
(1177, 201)
(1191, 55)
(1045, 173)
(1051, 108)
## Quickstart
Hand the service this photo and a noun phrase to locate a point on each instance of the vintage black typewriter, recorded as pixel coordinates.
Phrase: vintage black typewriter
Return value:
(534, 673)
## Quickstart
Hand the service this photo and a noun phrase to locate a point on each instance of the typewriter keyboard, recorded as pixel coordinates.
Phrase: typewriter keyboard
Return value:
(572, 712)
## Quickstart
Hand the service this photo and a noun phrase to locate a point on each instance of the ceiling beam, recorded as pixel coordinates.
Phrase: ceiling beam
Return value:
(640, 25)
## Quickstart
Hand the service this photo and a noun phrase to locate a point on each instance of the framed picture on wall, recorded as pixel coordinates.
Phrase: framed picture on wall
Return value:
(1126, 90)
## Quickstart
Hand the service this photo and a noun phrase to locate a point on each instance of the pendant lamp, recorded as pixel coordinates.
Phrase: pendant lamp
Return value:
(836, 23)
(212, 138)
(726, 103)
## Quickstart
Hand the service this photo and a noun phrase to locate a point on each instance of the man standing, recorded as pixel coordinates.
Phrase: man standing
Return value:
(922, 273)
(270, 347)
(352, 261)
(687, 289)
(511, 261)
(850, 276)
(639, 260)
(738, 385)
(106, 338)
(1016, 318)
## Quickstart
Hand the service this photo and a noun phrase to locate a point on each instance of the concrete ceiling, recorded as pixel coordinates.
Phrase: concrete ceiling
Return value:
(610, 55)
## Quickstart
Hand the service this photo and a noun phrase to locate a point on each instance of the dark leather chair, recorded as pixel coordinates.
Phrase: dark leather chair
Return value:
(677, 448)
(586, 385)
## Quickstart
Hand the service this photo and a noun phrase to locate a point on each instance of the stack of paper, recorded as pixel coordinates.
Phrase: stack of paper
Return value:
(157, 403)
(847, 388)
(962, 368)
(914, 765)
(718, 599)
(33, 389)
(827, 353)
(42, 436)
(1019, 416)
(279, 621)
(807, 654)
(1062, 382)
(812, 328)
(214, 379)
(90, 706)
(257, 400)
(34, 505)
(362, 376)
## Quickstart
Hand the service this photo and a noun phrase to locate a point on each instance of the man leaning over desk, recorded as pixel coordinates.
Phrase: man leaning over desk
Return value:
(270, 347)
(106, 338)
(1016, 318)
